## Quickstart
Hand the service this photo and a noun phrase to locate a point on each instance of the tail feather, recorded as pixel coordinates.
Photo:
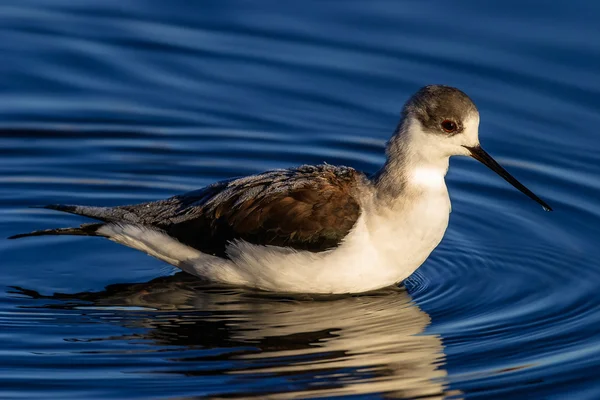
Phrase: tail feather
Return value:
(83, 230)
(104, 214)
(101, 213)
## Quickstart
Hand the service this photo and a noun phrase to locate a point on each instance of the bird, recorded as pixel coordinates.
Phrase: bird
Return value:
(313, 229)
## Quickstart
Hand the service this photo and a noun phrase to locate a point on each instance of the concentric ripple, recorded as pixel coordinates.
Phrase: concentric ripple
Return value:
(118, 102)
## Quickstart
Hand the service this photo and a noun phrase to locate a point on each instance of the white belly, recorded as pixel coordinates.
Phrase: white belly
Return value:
(384, 247)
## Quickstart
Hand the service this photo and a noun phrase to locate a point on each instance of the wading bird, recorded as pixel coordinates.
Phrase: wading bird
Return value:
(313, 229)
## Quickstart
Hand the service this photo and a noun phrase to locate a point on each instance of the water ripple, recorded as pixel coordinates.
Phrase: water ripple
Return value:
(119, 102)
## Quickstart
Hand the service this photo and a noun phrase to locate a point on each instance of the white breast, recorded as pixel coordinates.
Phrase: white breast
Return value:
(386, 245)
(406, 236)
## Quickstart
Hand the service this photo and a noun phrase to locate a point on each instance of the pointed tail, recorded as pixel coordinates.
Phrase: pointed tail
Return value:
(101, 213)
(83, 230)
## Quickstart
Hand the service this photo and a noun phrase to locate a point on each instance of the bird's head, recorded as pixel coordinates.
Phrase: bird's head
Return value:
(441, 121)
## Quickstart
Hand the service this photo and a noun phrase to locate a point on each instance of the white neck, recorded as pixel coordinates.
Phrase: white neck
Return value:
(411, 165)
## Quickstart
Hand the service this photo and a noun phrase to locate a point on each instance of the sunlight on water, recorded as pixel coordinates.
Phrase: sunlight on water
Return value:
(349, 345)
(109, 103)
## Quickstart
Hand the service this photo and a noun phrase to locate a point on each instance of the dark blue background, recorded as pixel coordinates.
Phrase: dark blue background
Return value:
(119, 102)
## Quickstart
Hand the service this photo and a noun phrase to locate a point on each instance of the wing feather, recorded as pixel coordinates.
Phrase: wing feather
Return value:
(308, 208)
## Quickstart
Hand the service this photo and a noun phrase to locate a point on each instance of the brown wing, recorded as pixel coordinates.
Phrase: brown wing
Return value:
(309, 208)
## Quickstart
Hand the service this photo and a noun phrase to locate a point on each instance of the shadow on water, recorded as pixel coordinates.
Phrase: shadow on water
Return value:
(347, 345)
(109, 103)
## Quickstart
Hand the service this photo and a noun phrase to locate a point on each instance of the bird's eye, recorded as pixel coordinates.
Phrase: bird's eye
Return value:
(449, 126)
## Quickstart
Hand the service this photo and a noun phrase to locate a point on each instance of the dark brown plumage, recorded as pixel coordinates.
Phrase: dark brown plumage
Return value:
(307, 208)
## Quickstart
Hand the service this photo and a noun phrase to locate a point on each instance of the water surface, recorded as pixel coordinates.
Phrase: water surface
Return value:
(116, 102)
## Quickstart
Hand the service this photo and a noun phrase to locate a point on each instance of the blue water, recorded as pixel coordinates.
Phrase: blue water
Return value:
(114, 102)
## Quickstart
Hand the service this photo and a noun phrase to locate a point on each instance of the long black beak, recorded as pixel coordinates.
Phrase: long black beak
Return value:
(482, 156)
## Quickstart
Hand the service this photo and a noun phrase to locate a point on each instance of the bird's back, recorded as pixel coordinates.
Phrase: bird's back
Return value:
(306, 208)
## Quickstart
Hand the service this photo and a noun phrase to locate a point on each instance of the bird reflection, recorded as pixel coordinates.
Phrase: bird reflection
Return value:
(371, 343)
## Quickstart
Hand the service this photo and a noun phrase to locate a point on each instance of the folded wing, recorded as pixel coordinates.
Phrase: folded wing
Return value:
(307, 208)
